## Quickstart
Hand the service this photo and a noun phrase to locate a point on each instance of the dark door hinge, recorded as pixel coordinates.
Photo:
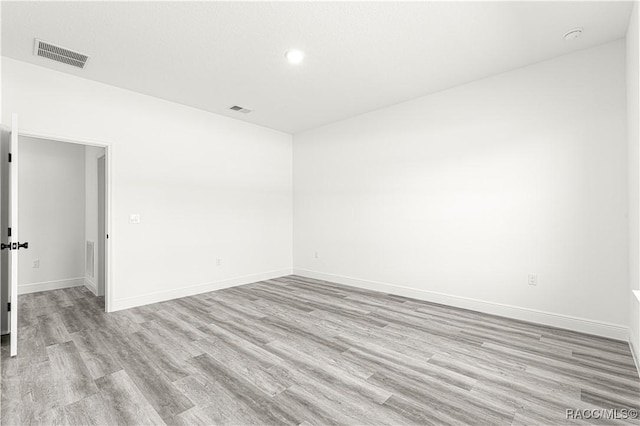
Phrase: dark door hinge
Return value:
(9, 157)
(9, 232)
(9, 307)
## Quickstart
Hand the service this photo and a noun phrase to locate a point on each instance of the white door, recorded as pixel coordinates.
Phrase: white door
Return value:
(14, 241)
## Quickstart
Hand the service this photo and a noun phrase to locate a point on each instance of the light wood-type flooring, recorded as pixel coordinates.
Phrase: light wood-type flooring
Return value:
(296, 351)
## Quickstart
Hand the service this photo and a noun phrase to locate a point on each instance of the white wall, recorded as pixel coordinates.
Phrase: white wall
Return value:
(51, 196)
(206, 186)
(633, 135)
(457, 196)
(91, 210)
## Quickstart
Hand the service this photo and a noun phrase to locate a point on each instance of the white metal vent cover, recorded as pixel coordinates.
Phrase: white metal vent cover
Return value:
(59, 54)
(240, 109)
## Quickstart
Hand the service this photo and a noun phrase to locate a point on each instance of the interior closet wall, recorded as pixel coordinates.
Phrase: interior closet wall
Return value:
(52, 214)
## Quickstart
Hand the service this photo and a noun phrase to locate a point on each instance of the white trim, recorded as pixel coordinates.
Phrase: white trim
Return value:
(88, 283)
(77, 141)
(145, 299)
(635, 359)
(50, 285)
(637, 293)
(584, 325)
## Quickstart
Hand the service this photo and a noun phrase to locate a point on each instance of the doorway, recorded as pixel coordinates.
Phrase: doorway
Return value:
(63, 206)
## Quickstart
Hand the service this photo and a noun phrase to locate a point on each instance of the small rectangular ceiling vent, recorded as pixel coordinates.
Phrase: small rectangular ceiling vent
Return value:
(240, 109)
(59, 54)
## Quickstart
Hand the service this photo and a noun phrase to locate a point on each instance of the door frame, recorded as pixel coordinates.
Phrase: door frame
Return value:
(101, 283)
(108, 151)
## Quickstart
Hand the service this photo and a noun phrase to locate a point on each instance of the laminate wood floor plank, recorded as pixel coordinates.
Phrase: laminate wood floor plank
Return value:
(242, 346)
(347, 401)
(53, 329)
(517, 379)
(37, 414)
(597, 346)
(329, 373)
(32, 345)
(331, 357)
(626, 391)
(475, 323)
(619, 382)
(471, 352)
(174, 320)
(169, 340)
(70, 372)
(242, 306)
(11, 402)
(171, 361)
(94, 350)
(262, 406)
(151, 380)
(253, 332)
(319, 301)
(310, 408)
(417, 414)
(125, 402)
(250, 369)
(89, 411)
(40, 385)
(300, 351)
(459, 403)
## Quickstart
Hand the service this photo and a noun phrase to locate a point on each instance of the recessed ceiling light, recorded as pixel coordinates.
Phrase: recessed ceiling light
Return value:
(294, 56)
(573, 34)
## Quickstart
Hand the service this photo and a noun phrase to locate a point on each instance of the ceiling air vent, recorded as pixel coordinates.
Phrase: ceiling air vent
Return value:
(240, 109)
(59, 54)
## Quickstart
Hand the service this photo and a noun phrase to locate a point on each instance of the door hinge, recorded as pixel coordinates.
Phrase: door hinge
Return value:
(9, 307)
(9, 157)
(9, 232)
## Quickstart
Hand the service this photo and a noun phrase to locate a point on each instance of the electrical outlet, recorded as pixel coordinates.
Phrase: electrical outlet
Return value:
(317, 255)
(218, 262)
(533, 279)
(134, 218)
(36, 263)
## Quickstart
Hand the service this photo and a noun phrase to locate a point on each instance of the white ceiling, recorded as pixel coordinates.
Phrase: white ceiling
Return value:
(360, 56)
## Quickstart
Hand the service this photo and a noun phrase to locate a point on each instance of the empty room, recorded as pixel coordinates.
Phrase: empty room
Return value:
(320, 213)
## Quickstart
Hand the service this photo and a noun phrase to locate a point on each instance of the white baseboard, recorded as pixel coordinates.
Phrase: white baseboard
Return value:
(50, 285)
(88, 283)
(584, 325)
(132, 302)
